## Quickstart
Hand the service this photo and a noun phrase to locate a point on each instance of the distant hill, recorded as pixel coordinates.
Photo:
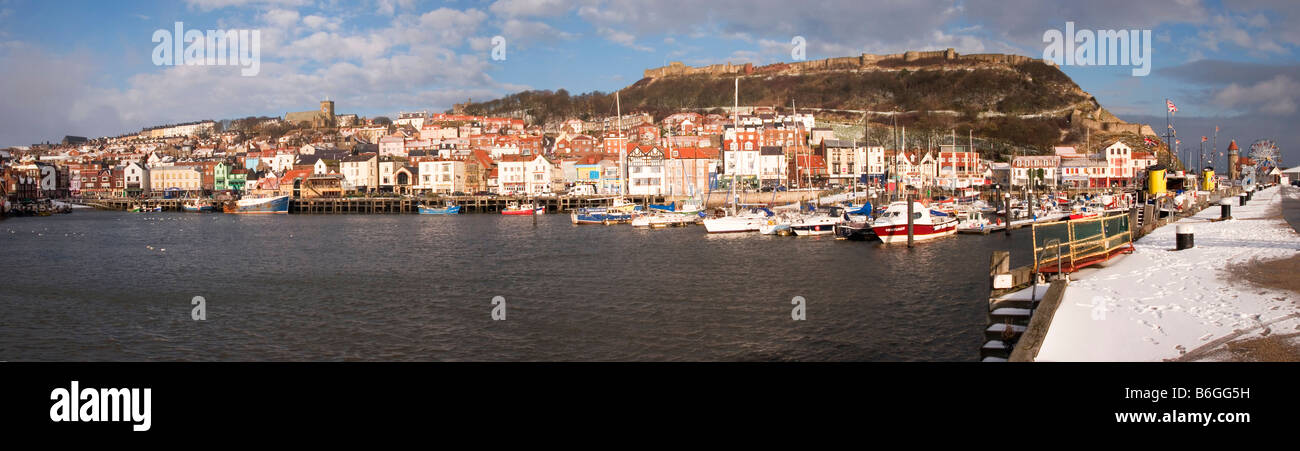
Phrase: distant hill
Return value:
(1017, 103)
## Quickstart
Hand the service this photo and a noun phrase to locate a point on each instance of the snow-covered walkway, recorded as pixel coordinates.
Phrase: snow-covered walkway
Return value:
(1160, 304)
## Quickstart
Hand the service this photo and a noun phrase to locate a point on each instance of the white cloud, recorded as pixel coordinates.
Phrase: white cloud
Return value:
(411, 62)
(390, 7)
(530, 8)
(209, 5)
(621, 38)
(522, 33)
(1247, 33)
(1278, 95)
(316, 22)
(281, 18)
(325, 46)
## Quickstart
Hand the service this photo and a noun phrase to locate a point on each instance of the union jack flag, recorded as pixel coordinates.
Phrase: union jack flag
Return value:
(1170, 104)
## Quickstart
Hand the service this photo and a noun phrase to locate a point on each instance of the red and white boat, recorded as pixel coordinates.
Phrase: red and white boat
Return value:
(891, 226)
(523, 209)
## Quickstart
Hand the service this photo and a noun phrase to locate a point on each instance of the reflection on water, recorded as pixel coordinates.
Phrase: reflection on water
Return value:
(100, 286)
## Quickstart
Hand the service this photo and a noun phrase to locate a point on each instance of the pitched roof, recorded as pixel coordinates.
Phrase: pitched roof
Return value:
(293, 174)
(693, 152)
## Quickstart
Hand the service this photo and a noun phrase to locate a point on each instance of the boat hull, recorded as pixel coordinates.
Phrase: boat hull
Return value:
(854, 232)
(269, 206)
(773, 228)
(920, 232)
(527, 212)
(453, 210)
(733, 225)
(814, 230)
(587, 218)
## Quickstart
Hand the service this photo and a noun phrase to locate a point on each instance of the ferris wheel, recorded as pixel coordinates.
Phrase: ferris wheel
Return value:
(1265, 151)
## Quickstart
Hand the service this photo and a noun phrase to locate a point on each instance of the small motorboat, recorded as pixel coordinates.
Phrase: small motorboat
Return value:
(447, 209)
(197, 206)
(927, 224)
(746, 221)
(854, 230)
(523, 209)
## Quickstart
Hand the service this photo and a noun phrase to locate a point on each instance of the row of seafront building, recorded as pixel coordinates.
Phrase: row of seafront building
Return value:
(684, 154)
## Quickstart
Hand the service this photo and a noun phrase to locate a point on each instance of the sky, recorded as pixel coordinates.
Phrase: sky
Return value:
(88, 68)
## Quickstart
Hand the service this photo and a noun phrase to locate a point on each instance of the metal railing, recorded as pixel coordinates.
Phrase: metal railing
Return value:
(1069, 245)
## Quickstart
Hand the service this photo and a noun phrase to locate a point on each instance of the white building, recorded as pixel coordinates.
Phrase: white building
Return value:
(846, 161)
(185, 178)
(358, 171)
(388, 172)
(282, 161)
(1119, 160)
(645, 168)
(392, 146)
(527, 175)
(771, 166)
(442, 177)
(1022, 165)
(875, 161)
(136, 176)
(741, 164)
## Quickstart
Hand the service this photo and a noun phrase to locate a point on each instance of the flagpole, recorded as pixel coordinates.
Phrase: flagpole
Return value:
(1200, 159)
(1215, 146)
(1174, 135)
(1169, 130)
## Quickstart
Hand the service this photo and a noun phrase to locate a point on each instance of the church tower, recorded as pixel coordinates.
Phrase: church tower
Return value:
(327, 113)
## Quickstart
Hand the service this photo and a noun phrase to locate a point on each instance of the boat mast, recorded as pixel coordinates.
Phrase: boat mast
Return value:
(909, 163)
(795, 114)
(622, 148)
(735, 139)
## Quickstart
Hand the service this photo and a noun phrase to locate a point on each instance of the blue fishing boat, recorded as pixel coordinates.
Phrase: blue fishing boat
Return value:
(261, 205)
(585, 216)
(448, 209)
(620, 211)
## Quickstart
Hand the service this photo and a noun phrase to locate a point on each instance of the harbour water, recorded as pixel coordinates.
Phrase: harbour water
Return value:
(99, 285)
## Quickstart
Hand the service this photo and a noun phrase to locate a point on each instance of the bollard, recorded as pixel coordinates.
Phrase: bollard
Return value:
(1241, 200)
(1225, 209)
(1183, 237)
(1250, 195)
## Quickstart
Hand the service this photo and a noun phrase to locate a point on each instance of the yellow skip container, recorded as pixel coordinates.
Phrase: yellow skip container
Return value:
(1156, 180)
